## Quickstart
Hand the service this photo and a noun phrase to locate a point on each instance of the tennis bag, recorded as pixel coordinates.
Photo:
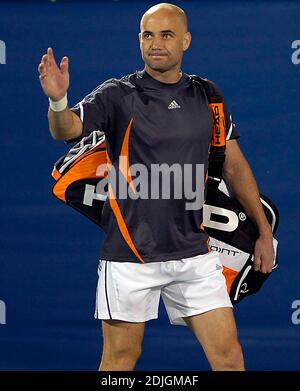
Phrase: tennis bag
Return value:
(81, 182)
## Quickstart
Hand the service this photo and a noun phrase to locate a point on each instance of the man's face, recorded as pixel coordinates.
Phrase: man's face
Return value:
(163, 40)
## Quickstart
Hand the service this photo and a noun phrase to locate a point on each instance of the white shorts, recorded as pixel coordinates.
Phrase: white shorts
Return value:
(189, 286)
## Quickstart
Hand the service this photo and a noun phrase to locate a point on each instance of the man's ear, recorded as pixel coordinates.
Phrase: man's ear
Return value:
(140, 36)
(187, 40)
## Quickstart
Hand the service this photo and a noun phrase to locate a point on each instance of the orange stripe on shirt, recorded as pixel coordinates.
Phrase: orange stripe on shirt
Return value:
(124, 165)
(121, 223)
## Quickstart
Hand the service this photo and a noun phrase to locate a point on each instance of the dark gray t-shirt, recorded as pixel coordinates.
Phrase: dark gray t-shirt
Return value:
(152, 123)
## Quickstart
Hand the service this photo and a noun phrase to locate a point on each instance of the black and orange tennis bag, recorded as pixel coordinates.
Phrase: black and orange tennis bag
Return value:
(81, 182)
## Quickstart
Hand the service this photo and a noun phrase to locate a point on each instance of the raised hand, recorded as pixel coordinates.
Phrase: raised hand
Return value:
(54, 79)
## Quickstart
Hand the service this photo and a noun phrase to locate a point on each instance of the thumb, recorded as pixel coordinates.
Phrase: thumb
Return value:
(64, 65)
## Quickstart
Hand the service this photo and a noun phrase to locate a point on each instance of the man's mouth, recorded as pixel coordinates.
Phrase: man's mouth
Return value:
(157, 54)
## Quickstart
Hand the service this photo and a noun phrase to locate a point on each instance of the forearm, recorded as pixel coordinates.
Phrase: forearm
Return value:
(64, 125)
(242, 182)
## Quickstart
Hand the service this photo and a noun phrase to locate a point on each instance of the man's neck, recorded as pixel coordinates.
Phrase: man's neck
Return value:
(171, 76)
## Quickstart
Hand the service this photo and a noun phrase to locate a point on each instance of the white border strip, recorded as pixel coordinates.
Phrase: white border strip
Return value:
(246, 271)
(272, 213)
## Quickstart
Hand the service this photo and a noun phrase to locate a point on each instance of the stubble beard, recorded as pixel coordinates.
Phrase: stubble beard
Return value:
(162, 68)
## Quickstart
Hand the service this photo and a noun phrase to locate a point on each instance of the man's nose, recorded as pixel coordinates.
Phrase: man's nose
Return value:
(157, 42)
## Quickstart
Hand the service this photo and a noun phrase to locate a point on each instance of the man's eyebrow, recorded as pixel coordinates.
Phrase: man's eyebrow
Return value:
(168, 31)
(163, 31)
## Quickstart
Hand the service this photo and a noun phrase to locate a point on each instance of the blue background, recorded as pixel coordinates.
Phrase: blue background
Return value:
(49, 253)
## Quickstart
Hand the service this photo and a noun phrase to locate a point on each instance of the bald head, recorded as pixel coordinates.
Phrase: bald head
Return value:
(168, 10)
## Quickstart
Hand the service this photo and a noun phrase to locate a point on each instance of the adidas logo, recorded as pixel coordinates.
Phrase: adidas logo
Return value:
(173, 105)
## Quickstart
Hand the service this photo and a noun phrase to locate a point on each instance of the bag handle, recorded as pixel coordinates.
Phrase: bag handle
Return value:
(218, 139)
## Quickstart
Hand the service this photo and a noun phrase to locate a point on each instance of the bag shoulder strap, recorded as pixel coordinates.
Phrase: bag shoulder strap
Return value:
(218, 139)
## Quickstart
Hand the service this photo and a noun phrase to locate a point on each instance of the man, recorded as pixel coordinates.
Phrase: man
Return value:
(157, 246)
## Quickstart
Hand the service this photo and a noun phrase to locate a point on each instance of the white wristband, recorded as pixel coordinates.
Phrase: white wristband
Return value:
(59, 105)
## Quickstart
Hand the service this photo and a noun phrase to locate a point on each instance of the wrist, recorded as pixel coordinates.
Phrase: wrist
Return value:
(59, 105)
(266, 232)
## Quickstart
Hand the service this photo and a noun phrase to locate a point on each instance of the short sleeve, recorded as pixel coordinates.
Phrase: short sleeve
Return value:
(231, 129)
(93, 110)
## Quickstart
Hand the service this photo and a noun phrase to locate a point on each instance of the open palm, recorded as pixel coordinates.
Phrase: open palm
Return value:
(54, 79)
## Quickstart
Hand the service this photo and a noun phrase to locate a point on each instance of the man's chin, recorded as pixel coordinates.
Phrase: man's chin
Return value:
(158, 67)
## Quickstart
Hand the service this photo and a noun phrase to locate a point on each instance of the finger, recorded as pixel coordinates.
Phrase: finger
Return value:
(270, 268)
(266, 269)
(50, 53)
(263, 269)
(64, 65)
(42, 69)
(45, 63)
(257, 262)
(51, 57)
(267, 263)
(45, 59)
(42, 77)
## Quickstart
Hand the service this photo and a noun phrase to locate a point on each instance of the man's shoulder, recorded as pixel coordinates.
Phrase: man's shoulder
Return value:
(113, 84)
(210, 87)
(203, 80)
